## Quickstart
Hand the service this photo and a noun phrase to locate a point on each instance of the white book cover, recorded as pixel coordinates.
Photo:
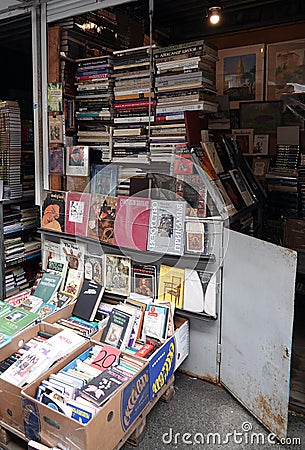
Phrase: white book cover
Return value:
(166, 227)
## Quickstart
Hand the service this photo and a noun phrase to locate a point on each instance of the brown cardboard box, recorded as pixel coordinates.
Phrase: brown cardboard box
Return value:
(10, 395)
(103, 432)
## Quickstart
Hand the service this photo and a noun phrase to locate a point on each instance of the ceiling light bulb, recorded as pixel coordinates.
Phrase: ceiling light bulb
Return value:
(214, 17)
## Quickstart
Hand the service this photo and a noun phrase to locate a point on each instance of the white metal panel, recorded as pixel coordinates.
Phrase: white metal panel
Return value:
(11, 8)
(61, 9)
(256, 330)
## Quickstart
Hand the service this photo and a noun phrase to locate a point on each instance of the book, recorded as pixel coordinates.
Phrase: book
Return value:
(77, 160)
(53, 211)
(15, 319)
(50, 250)
(195, 238)
(56, 160)
(232, 190)
(77, 212)
(144, 279)
(74, 281)
(97, 202)
(73, 253)
(155, 321)
(241, 185)
(166, 227)
(211, 151)
(55, 97)
(131, 222)
(104, 179)
(119, 327)
(117, 274)
(49, 283)
(58, 267)
(261, 144)
(141, 308)
(94, 268)
(171, 285)
(56, 125)
(88, 300)
(106, 221)
(102, 387)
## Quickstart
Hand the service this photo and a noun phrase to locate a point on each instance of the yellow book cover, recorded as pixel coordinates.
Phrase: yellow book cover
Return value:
(171, 285)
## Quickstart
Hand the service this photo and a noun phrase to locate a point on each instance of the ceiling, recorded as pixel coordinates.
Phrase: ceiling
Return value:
(175, 20)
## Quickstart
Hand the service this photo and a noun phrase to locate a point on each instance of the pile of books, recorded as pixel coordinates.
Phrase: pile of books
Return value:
(133, 104)
(10, 145)
(27, 158)
(94, 104)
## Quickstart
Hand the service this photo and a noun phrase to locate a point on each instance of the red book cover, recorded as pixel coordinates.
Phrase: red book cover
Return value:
(77, 210)
(131, 223)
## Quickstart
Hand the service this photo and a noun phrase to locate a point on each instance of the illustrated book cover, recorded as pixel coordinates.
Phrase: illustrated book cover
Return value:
(104, 179)
(144, 279)
(55, 97)
(53, 211)
(118, 329)
(131, 222)
(117, 274)
(166, 227)
(49, 283)
(155, 322)
(171, 285)
(94, 268)
(74, 281)
(56, 126)
(73, 253)
(77, 160)
(56, 160)
(77, 213)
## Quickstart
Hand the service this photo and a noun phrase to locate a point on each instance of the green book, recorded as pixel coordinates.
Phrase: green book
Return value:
(48, 285)
(15, 320)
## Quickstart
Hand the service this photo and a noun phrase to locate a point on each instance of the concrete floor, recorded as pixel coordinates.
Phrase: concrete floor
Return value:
(199, 408)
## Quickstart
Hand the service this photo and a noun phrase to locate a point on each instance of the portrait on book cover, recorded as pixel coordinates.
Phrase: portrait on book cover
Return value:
(166, 225)
(195, 242)
(144, 284)
(117, 277)
(56, 160)
(77, 162)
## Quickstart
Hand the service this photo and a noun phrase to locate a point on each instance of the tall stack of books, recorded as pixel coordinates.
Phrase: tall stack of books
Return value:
(27, 158)
(94, 105)
(185, 81)
(133, 104)
(10, 149)
(301, 174)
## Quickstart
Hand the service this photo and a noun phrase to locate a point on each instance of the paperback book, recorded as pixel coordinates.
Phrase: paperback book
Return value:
(144, 279)
(73, 253)
(53, 211)
(94, 268)
(117, 274)
(88, 300)
(77, 161)
(104, 179)
(77, 211)
(171, 285)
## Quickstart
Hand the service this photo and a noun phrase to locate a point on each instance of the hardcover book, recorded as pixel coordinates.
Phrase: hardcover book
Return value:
(77, 212)
(171, 285)
(117, 274)
(77, 160)
(232, 190)
(15, 319)
(211, 151)
(53, 211)
(88, 300)
(166, 227)
(131, 223)
(104, 179)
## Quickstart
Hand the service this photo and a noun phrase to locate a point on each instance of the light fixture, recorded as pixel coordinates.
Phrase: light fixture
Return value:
(214, 14)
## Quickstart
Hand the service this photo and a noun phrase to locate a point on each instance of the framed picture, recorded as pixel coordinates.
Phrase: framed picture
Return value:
(240, 73)
(245, 138)
(260, 166)
(261, 144)
(285, 68)
(261, 116)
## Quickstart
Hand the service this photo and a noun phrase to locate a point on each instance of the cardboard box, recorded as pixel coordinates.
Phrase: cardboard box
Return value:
(103, 432)
(10, 395)
(166, 359)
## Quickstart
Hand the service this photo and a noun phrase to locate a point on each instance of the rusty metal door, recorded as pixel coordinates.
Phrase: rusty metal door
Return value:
(256, 326)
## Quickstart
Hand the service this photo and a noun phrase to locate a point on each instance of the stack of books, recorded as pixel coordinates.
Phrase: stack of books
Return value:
(10, 145)
(27, 158)
(14, 251)
(94, 104)
(133, 104)
(185, 81)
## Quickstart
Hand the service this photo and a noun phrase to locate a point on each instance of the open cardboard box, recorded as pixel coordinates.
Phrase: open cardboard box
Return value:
(104, 431)
(10, 395)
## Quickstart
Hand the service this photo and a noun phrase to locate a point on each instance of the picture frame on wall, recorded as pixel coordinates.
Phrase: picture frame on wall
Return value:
(240, 73)
(261, 116)
(285, 68)
(245, 137)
